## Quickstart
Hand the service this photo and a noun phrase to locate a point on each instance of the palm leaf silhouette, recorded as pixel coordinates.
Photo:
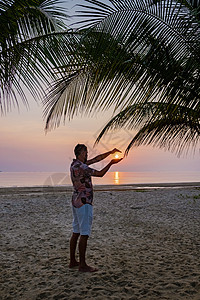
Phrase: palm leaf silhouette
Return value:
(167, 126)
(133, 53)
(32, 42)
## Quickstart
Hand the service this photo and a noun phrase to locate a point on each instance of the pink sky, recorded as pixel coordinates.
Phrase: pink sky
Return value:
(25, 147)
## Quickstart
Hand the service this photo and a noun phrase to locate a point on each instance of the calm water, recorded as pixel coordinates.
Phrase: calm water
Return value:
(20, 179)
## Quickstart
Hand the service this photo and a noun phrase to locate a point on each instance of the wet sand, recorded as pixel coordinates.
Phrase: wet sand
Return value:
(145, 243)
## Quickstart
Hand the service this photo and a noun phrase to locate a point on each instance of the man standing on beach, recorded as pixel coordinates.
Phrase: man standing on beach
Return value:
(82, 199)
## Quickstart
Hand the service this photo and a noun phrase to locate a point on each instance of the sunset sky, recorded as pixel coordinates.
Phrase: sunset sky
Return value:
(24, 146)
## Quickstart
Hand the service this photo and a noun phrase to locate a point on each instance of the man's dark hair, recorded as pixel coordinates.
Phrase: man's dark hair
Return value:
(79, 148)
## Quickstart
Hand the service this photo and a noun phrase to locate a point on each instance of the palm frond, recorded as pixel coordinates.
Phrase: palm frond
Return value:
(133, 53)
(119, 77)
(30, 35)
(169, 134)
(171, 127)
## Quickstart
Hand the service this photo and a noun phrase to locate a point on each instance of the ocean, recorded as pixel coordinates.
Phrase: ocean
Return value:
(30, 179)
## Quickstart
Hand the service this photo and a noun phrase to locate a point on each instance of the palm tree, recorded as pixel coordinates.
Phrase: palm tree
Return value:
(33, 40)
(143, 59)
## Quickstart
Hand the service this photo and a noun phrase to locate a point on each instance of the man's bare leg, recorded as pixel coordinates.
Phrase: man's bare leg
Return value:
(73, 243)
(83, 267)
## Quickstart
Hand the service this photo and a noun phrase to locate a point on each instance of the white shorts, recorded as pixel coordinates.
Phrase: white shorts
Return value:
(82, 219)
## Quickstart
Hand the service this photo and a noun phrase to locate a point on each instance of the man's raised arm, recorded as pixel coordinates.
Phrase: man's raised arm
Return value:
(101, 156)
(102, 172)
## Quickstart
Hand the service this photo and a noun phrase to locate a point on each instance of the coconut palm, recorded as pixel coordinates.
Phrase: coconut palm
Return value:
(143, 59)
(33, 40)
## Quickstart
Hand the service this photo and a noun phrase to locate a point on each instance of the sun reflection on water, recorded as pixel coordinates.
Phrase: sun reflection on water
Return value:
(116, 177)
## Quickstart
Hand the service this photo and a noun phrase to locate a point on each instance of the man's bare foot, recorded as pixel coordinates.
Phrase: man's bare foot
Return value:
(87, 269)
(73, 264)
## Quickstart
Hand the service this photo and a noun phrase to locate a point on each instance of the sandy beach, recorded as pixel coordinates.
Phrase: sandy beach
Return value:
(145, 243)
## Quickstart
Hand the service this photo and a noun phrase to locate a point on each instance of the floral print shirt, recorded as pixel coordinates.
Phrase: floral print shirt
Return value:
(81, 179)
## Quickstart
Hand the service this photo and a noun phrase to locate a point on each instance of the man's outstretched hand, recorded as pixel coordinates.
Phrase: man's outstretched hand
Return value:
(115, 150)
(116, 160)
